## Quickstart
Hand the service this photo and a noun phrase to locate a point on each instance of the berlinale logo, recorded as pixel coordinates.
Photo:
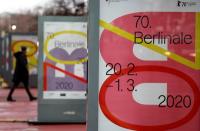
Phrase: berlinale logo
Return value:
(185, 4)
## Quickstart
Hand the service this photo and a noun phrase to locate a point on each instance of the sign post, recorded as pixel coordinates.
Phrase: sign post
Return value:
(6, 59)
(63, 69)
(30, 41)
(1, 56)
(149, 65)
(11, 44)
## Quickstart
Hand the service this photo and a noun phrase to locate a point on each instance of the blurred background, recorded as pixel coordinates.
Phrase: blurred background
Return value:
(21, 15)
(18, 21)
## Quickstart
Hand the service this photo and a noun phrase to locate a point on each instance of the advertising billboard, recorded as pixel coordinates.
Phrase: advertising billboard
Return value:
(29, 41)
(149, 65)
(62, 77)
(65, 60)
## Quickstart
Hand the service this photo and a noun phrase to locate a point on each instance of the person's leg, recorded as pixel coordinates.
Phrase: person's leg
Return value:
(9, 98)
(31, 97)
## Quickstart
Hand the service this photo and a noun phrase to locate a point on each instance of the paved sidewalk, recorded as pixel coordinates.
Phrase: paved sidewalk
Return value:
(14, 115)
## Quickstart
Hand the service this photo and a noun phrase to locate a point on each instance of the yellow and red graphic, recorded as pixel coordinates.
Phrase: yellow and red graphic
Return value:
(153, 71)
(68, 62)
(48, 65)
(61, 55)
(31, 51)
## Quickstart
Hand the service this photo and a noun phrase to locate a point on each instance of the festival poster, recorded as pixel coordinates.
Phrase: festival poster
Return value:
(149, 65)
(7, 53)
(65, 60)
(3, 54)
(31, 42)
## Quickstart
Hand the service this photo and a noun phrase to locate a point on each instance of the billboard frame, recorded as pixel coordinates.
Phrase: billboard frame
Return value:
(53, 110)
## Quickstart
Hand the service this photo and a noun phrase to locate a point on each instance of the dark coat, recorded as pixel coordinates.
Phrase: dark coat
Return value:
(21, 70)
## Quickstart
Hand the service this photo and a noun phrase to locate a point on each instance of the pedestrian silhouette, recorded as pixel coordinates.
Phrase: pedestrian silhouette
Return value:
(21, 74)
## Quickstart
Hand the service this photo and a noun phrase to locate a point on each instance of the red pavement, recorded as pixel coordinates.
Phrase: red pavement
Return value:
(14, 115)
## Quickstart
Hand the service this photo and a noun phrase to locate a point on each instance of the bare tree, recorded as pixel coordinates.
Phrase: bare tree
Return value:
(26, 20)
